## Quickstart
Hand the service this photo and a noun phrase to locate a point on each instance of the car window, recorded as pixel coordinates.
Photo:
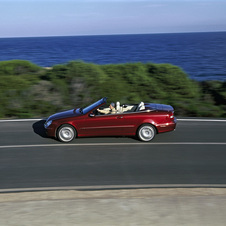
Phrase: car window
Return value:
(92, 106)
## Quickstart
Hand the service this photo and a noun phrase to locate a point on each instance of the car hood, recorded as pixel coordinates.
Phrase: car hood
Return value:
(64, 114)
(159, 107)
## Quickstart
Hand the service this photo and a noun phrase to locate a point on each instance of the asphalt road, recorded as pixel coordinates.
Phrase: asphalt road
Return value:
(193, 155)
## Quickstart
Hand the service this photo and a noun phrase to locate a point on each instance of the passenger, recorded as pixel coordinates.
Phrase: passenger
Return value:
(110, 110)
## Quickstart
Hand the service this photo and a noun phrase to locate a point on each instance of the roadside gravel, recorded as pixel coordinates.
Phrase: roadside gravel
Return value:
(172, 206)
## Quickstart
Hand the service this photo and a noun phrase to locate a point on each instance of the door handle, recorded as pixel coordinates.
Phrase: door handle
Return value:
(119, 117)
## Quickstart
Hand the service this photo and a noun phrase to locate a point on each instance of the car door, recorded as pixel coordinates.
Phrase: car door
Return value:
(101, 125)
(130, 122)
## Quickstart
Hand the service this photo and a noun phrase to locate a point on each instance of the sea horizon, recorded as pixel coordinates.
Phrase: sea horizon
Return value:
(200, 54)
(116, 34)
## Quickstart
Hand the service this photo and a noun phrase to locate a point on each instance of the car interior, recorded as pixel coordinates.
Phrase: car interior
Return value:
(126, 108)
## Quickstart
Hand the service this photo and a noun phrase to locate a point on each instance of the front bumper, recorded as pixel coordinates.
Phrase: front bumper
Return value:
(50, 130)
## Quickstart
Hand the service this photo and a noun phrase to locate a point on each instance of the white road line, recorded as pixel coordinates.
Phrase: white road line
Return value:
(21, 120)
(109, 144)
(183, 120)
(112, 187)
(201, 120)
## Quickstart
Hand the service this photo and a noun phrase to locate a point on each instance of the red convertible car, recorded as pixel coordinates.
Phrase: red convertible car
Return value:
(143, 120)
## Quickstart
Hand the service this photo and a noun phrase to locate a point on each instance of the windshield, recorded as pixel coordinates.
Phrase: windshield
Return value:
(92, 106)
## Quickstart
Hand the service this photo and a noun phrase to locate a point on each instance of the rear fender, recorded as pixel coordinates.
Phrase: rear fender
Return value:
(149, 121)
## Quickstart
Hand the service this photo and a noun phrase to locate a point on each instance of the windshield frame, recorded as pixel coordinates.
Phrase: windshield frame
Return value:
(93, 106)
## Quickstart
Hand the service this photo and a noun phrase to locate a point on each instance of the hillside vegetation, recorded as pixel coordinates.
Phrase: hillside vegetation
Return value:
(27, 90)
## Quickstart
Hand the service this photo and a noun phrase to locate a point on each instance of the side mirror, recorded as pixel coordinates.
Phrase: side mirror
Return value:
(91, 115)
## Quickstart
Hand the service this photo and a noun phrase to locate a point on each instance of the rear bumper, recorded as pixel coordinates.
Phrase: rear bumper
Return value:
(166, 127)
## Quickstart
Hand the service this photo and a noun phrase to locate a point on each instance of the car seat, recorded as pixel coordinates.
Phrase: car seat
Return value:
(141, 106)
(118, 108)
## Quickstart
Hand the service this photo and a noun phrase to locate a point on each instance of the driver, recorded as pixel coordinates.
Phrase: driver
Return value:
(110, 110)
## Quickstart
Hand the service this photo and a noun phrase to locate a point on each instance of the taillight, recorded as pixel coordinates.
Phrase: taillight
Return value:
(170, 115)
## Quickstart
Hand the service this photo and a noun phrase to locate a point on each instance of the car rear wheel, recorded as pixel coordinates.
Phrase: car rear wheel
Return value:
(146, 132)
(66, 133)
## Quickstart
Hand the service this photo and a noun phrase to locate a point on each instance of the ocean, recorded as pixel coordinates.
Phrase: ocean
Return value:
(201, 55)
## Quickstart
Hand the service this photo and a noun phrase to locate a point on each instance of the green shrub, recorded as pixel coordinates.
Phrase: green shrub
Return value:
(27, 90)
(18, 67)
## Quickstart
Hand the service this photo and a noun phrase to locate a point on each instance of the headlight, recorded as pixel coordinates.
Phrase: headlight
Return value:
(47, 124)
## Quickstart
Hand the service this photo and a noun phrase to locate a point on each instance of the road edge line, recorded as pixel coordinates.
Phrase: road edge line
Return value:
(109, 144)
(110, 187)
(183, 120)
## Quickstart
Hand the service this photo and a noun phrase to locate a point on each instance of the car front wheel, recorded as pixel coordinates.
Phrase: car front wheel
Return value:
(66, 133)
(146, 132)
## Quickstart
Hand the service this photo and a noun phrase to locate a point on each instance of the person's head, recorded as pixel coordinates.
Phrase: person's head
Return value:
(112, 105)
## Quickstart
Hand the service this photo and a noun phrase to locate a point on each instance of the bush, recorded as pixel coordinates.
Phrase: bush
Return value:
(27, 90)
(18, 67)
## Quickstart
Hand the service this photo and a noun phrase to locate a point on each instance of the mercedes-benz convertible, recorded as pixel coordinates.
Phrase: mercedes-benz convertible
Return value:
(143, 120)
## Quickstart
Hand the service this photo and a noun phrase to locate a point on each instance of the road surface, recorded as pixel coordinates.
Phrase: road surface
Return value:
(192, 156)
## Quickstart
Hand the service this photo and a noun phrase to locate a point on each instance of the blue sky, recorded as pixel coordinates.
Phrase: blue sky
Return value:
(28, 18)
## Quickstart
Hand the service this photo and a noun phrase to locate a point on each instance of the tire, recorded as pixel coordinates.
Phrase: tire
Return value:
(146, 132)
(66, 133)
